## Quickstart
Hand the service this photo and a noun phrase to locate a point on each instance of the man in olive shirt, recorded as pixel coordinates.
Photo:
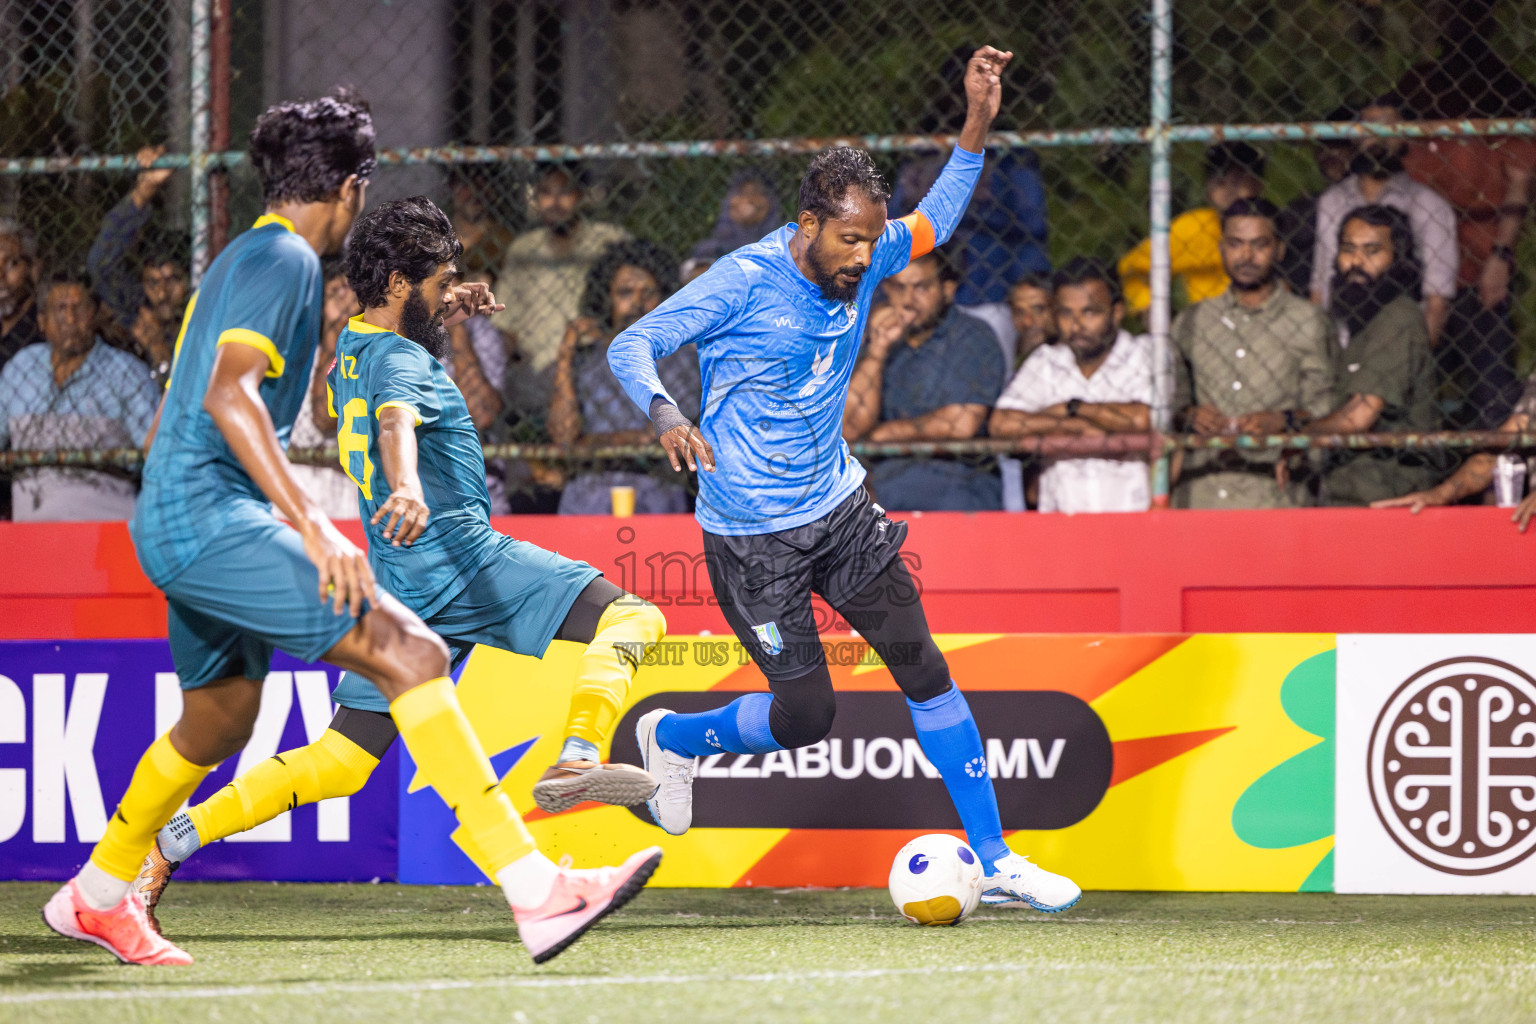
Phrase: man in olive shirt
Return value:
(1252, 360)
(1384, 378)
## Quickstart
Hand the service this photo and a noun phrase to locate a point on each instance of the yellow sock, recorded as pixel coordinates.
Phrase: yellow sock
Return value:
(451, 759)
(331, 766)
(628, 628)
(161, 783)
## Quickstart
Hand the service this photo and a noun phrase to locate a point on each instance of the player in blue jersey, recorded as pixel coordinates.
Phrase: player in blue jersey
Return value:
(777, 325)
(407, 441)
(240, 584)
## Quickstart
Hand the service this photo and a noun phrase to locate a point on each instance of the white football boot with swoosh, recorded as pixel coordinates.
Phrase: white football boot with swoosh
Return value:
(1015, 882)
(671, 806)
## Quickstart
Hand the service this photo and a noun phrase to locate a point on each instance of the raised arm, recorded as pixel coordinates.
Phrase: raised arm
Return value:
(940, 211)
(116, 282)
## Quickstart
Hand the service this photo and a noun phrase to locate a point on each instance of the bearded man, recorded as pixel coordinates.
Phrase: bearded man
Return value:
(1384, 375)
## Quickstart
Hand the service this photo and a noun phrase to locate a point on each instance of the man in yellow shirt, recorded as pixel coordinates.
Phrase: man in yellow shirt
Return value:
(1233, 171)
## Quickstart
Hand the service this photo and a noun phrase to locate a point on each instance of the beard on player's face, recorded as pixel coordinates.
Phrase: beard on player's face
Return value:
(423, 326)
(838, 282)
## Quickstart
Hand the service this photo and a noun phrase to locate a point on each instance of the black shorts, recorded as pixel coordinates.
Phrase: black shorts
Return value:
(764, 582)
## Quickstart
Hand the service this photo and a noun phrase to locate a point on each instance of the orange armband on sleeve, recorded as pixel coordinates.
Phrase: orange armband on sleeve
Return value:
(922, 234)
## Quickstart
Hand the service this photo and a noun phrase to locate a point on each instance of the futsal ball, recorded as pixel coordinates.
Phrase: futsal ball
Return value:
(936, 879)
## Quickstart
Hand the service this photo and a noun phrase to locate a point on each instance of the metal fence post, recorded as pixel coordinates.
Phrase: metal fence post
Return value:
(1161, 279)
(202, 32)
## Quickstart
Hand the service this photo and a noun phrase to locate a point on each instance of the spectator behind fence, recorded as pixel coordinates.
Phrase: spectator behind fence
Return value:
(1097, 380)
(18, 309)
(1233, 171)
(748, 211)
(145, 297)
(486, 239)
(589, 405)
(1032, 307)
(1254, 359)
(1298, 220)
(477, 362)
(19, 269)
(315, 424)
(1003, 235)
(542, 279)
(1487, 180)
(1377, 177)
(73, 392)
(1383, 372)
(1475, 475)
(928, 372)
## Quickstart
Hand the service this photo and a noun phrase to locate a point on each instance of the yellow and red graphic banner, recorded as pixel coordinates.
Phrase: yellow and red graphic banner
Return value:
(1128, 761)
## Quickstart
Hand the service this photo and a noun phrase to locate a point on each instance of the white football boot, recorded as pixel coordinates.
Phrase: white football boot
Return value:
(671, 805)
(1015, 882)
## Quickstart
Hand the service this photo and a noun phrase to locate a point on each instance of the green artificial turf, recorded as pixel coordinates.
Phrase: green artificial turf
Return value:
(403, 953)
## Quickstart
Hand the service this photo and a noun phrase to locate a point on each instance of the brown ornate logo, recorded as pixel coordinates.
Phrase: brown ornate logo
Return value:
(1451, 762)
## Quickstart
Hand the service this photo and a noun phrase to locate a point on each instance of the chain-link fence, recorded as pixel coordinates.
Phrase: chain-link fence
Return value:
(1097, 335)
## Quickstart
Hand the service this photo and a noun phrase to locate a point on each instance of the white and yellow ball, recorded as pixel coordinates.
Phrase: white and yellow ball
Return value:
(936, 880)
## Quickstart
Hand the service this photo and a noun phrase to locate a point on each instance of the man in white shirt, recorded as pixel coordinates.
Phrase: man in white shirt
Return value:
(1377, 177)
(1099, 380)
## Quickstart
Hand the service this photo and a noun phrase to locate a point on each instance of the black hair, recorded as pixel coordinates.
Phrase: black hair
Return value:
(1085, 269)
(1226, 158)
(161, 247)
(946, 266)
(832, 173)
(1404, 253)
(303, 152)
(25, 237)
(64, 278)
(1035, 279)
(411, 236)
(1393, 99)
(1258, 207)
(596, 300)
(577, 174)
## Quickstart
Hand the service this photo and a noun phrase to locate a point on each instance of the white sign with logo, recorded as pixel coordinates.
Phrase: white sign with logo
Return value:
(1435, 776)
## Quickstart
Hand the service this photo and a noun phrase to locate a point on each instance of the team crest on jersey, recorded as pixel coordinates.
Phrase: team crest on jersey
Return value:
(821, 369)
(768, 636)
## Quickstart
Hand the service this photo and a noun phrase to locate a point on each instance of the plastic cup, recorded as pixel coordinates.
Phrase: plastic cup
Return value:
(1509, 480)
(623, 501)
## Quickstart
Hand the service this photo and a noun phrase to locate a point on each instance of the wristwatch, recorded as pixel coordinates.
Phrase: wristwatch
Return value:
(1503, 252)
(1291, 426)
(1073, 404)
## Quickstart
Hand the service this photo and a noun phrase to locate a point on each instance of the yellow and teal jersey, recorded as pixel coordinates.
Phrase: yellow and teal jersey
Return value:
(377, 369)
(263, 291)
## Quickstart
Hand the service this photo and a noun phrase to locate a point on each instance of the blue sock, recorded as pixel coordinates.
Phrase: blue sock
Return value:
(950, 741)
(740, 727)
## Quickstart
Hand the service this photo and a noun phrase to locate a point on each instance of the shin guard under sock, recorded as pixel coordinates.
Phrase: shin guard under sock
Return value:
(952, 744)
(627, 629)
(161, 783)
(740, 727)
(450, 757)
(329, 767)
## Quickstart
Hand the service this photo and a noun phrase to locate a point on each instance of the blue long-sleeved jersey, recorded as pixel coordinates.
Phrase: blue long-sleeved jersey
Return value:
(776, 359)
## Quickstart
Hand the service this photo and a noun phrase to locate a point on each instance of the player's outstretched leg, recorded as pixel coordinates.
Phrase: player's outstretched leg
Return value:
(337, 764)
(99, 904)
(797, 713)
(618, 629)
(894, 622)
(553, 906)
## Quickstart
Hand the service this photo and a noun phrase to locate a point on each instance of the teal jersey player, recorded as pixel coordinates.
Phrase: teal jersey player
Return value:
(377, 369)
(263, 291)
